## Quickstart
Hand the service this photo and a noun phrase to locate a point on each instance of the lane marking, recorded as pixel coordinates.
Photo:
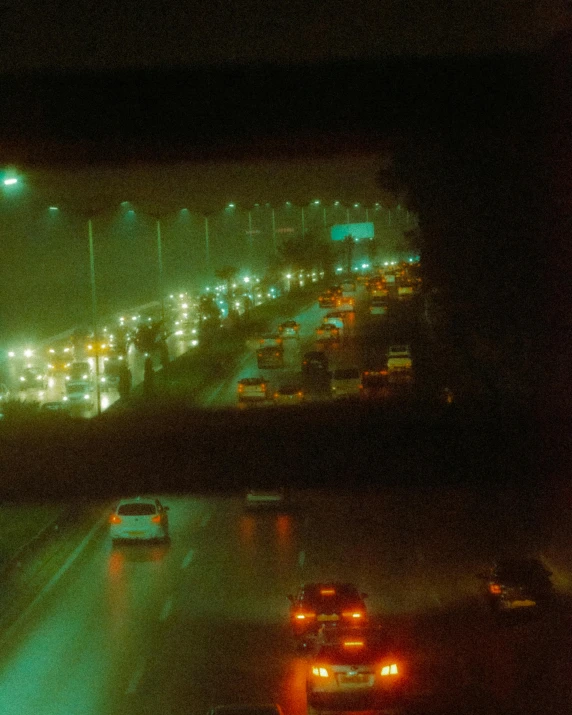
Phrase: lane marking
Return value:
(166, 609)
(205, 520)
(188, 558)
(301, 558)
(8, 633)
(136, 677)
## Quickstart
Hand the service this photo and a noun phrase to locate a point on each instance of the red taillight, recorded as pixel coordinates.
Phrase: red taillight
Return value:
(495, 588)
(114, 519)
(156, 519)
(355, 615)
(304, 616)
(241, 388)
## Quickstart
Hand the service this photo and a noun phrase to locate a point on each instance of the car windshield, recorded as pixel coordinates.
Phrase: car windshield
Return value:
(521, 570)
(352, 654)
(137, 509)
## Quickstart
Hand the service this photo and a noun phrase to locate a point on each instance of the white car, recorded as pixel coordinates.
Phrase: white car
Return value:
(265, 498)
(139, 519)
(354, 674)
(346, 383)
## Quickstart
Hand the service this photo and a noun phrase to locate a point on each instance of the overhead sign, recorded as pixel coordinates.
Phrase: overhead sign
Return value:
(358, 231)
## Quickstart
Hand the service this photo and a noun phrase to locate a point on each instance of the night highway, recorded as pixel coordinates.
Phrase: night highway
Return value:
(189, 449)
(204, 620)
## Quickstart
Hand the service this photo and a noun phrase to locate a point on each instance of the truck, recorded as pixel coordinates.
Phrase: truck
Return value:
(399, 364)
(79, 394)
(270, 357)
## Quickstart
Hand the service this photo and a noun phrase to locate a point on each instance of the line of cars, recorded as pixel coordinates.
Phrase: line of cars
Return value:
(352, 664)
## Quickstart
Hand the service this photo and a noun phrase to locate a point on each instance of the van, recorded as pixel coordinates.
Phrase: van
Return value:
(346, 383)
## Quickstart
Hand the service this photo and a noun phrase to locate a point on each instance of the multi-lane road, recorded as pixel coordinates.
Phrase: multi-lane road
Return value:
(180, 627)
(364, 343)
(203, 621)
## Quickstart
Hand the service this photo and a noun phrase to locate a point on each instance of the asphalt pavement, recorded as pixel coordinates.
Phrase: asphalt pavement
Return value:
(177, 628)
(364, 343)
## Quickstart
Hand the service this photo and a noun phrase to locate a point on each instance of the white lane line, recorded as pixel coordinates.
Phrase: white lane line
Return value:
(301, 558)
(188, 558)
(136, 677)
(205, 520)
(166, 609)
(8, 633)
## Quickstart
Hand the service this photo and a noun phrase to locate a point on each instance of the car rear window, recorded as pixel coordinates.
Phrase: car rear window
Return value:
(137, 509)
(347, 374)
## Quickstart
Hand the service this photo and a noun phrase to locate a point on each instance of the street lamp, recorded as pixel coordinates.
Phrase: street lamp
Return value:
(94, 312)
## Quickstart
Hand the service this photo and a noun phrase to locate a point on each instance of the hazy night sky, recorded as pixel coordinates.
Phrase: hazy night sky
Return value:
(107, 34)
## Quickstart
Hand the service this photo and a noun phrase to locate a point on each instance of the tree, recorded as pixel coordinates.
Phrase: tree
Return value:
(227, 274)
(307, 252)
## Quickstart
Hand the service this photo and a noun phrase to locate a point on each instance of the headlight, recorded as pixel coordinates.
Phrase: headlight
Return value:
(65, 398)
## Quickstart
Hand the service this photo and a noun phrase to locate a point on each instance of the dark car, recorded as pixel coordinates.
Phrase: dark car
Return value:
(331, 604)
(315, 362)
(518, 584)
(375, 384)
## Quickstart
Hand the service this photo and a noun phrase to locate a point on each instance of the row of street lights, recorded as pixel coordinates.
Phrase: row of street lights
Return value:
(11, 180)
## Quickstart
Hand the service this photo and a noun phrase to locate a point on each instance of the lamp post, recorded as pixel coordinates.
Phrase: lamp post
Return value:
(160, 261)
(207, 246)
(273, 214)
(94, 312)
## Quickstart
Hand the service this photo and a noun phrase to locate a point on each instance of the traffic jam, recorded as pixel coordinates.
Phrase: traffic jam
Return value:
(297, 365)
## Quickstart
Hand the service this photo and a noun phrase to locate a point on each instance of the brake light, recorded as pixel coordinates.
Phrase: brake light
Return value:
(300, 394)
(327, 591)
(305, 616)
(352, 614)
(320, 671)
(114, 519)
(353, 644)
(495, 588)
(390, 669)
(156, 519)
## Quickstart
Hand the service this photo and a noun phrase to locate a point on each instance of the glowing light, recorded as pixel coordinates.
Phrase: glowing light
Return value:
(11, 354)
(184, 306)
(28, 353)
(390, 669)
(194, 343)
(320, 672)
(10, 182)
